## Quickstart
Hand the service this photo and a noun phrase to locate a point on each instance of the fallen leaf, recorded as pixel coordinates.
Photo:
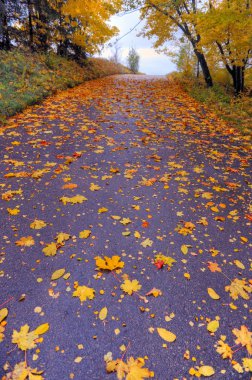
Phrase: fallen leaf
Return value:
(50, 249)
(84, 234)
(130, 287)
(168, 336)
(57, 274)
(25, 241)
(213, 326)
(37, 224)
(3, 314)
(84, 293)
(212, 293)
(206, 371)
(42, 329)
(109, 263)
(239, 288)
(24, 339)
(244, 337)
(103, 313)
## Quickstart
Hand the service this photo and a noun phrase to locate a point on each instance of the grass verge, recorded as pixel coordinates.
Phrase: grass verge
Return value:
(236, 111)
(27, 78)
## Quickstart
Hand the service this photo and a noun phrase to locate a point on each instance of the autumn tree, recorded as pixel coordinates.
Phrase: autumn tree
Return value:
(133, 60)
(226, 29)
(164, 20)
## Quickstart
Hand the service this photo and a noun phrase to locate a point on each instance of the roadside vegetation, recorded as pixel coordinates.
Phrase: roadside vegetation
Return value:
(27, 78)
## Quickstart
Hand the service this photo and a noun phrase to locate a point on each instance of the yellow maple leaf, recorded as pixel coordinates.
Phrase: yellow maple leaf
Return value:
(84, 293)
(167, 260)
(224, 350)
(37, 224)
(130, 287)
(94, 187)
(22, 372)
(244, 337)
(132, 370)
(109, 263)
(25, 241)
(73, 200)
(102, 210)
(206, 371)
(239, 288)
(24, 339)
(13, 211)
(247, 364)
(62, 237)
(125, 221)
(147, 243)
(84, 234)
(50, 249)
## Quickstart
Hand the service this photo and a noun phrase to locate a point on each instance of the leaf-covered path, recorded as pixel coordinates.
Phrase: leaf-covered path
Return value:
(128, 167)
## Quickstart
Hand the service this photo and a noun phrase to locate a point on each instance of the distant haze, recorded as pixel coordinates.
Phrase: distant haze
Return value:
(151, 62)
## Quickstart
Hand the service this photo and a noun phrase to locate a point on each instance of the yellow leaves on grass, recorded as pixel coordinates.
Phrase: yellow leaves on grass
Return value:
(26, 339)
(166, 335)
(109, 263)
(37, 224)
(212, 293)
(25, 241)
(133, 369)
(244, 337)
(84, 293)
(130, 287)
(239, 288)
(73, 200)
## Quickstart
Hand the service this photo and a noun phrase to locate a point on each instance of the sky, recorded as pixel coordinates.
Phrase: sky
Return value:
(151, 62)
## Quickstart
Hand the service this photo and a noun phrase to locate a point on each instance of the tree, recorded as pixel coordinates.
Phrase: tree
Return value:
(164, 19)
(226, 29)
(133, 60)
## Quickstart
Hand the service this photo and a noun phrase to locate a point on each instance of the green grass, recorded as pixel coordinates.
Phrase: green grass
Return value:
(236, 111)
(26, 78)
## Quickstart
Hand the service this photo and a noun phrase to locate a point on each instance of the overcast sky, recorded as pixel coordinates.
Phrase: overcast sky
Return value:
(151, 62)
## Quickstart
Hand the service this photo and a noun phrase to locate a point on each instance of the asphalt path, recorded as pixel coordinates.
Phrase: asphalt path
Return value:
(161, 175)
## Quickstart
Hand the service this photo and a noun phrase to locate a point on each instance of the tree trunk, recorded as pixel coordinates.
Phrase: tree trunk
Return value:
(4, 29)
(204, 68)
(238, 79)
(29, 6)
